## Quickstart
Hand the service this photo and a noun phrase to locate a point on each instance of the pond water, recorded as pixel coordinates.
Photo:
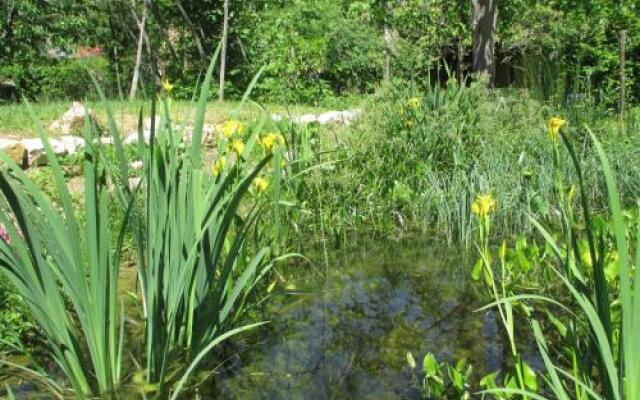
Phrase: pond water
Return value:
(341, 329)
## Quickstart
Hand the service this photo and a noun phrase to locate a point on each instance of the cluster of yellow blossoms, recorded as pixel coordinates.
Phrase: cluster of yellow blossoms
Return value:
(232, 131)
(261, 184)
(232, 128)
(218, 166)
(229, 130)
(270, 140)
(484, 205)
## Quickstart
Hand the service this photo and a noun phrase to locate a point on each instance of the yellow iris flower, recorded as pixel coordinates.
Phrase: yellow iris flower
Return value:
(555, 124)
(218, 166)
(237, 146)
(261, 184)
(484, 205)
(168, 87)
(414, 102)
(268, 141)
(231, 128)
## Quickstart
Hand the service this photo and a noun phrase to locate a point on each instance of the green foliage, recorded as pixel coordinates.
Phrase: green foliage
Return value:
(428, 152)
(315, 50)
(66, 79)
(14, 321)
(66, 272)
(590, 304)
(311, 53)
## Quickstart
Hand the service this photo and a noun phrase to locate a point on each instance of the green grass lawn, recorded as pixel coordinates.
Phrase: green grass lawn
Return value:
(15, 121)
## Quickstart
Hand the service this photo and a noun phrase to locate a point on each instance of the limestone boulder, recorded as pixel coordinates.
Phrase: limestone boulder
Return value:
(36, 154)
(15, 150)
(72, 144)
(72, 121)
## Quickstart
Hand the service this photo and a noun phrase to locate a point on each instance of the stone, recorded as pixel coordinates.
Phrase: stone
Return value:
(330, 117)
(134, 182)
(305, 119)
(15, 150)
(35, 153)
(132, 137)
(72, 144)
(147, 123)
(73, 119)
(349, 116)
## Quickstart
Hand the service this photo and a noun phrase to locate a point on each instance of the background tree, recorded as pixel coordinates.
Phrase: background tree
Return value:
(485, 16)
(223, 51)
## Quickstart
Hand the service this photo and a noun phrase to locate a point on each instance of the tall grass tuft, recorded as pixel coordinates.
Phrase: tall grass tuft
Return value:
(67, 270)
(197, 269)
(601, 330)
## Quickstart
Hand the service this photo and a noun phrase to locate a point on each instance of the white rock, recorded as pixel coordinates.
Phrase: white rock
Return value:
(349, 116)
(132, 137)
(305, 119)
(136, 165)
(4, 143)
(134, 182)
(36, 154)
(147, 123)
(72, 144)
(331, 117)
(72, 119)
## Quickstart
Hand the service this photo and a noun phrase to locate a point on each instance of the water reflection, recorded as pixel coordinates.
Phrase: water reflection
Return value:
(347, 334)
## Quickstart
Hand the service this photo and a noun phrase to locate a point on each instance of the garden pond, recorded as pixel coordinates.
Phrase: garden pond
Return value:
(341, 328)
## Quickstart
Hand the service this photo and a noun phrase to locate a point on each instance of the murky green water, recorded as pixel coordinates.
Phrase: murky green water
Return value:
(342, 330)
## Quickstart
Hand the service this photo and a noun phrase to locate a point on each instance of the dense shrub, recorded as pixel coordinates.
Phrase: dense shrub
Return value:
(311, 53)
(55, 80)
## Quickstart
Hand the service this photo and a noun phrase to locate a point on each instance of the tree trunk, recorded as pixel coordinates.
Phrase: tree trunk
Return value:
(623, 51)
(223, 51)
(136, 68)
(193, 29)
(388, 42)
(387, 54)
(117, 66)
(485, 16)
(8, 24)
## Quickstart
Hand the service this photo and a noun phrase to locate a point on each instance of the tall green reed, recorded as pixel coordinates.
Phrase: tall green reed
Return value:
(67, 270)
(591, 328)
(197, 270)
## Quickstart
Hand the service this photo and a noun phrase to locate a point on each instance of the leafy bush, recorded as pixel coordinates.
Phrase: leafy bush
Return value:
(66, 79)
(322, 53)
